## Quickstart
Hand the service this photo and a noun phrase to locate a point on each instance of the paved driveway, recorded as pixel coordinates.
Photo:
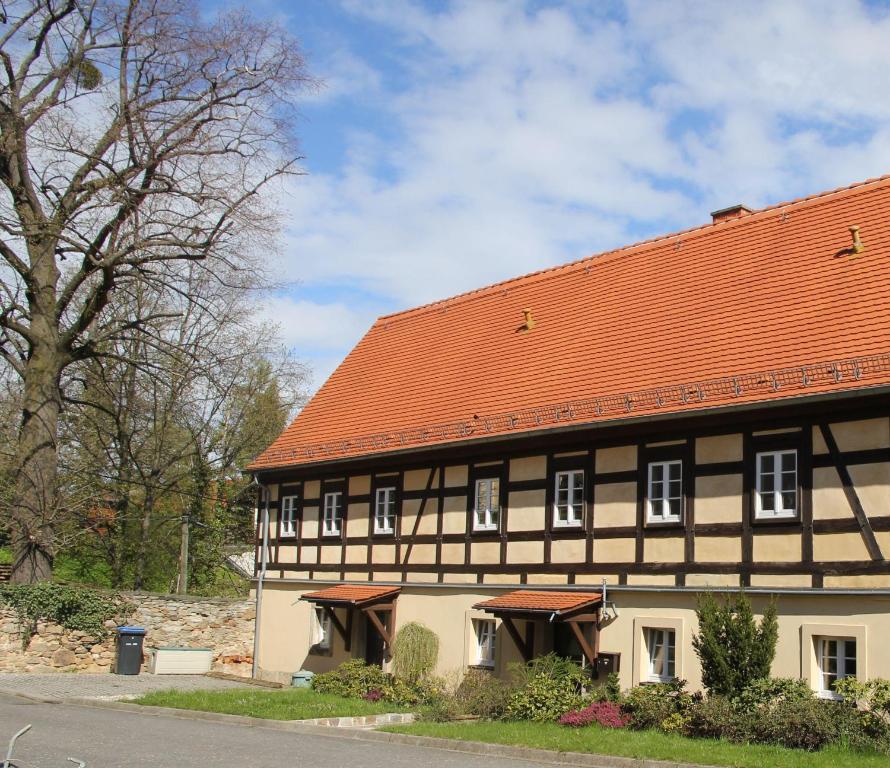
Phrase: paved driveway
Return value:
(107, 738)
(103, 686)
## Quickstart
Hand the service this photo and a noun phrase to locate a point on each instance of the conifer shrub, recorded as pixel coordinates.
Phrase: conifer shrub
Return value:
(734, 650)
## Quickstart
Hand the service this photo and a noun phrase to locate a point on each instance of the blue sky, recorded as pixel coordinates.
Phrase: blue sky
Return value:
(455, 144)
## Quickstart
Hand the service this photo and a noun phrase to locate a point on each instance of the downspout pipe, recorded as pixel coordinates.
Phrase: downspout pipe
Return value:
(262, 575)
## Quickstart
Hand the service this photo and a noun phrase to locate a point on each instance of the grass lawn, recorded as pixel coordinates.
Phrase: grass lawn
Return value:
(287, 704)
(641, 744)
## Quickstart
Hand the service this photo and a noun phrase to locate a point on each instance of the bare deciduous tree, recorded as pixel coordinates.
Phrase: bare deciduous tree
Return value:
(134, 137)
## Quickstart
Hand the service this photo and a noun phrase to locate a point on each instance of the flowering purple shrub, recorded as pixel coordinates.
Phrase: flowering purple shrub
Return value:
(606, 713)
(373, 695)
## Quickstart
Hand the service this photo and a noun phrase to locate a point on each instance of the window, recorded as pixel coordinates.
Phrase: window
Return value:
(485, 638)
(662, 647)
(487, 512)
(665, 499)
(288, 516)
(320, 638)
(837, 660)
(776, 493)
(568, 503)
(385, 510)
(333, 513)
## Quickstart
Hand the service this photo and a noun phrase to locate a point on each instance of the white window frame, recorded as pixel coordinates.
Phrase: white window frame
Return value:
(663, 501)
(485, 632)
(841, 658)
(323, 625)
(779, 511)
(572, 520)
(288, 516)
(384, 500)
(333, 514)
(661, 638)
(491, 515)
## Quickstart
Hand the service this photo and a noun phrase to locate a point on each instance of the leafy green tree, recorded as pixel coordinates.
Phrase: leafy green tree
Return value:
(732, 648)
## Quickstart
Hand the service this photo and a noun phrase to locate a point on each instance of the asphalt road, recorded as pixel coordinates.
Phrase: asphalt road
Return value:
(107, 738)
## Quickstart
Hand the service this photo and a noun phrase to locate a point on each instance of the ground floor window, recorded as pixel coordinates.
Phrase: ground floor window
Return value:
(485, 638)
(837, 660)
(321, 630)
(661, 645)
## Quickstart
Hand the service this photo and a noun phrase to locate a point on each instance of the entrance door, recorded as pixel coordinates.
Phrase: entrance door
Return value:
(373, 644)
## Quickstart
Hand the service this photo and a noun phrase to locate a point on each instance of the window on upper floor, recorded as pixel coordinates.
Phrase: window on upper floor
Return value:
(661, 646)
(568, 498)
(664, 503)
(486, 632)
(385, 510)
(837, 660)
(776, 489)
(289, 516)
(487, 507)
(333, 513)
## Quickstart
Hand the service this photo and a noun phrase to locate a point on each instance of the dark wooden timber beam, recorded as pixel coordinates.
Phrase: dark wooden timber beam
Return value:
(588, 650)
(341, 630)
(868, 535)
(517, 638)
(379, 625)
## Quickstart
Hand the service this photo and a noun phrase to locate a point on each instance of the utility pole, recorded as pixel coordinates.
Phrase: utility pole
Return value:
(182, 581)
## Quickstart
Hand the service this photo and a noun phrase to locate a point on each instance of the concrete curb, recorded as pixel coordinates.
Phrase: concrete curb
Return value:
(581, 759)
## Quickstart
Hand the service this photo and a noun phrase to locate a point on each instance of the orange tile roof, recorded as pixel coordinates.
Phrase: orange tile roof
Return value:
(767, 306)
(549, 602)
(351, 593)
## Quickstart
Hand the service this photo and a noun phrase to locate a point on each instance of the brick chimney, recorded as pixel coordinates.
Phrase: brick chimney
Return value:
(733, 212)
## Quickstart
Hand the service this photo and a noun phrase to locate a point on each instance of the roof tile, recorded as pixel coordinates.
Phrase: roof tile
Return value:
(530, 600)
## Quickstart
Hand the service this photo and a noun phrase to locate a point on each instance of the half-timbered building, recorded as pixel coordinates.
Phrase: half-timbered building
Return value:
(563, 461)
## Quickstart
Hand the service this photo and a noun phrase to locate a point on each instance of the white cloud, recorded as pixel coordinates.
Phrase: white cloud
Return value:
(531, 137)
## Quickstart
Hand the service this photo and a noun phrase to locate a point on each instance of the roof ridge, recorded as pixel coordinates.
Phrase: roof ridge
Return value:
(540, 273)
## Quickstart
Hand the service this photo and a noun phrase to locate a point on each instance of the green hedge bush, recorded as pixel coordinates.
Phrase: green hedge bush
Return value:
(546, 688)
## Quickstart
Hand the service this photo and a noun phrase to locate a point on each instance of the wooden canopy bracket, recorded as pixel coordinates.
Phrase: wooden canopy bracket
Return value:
(344, 632)
(521, 644)
(380, 623)
(590, 651)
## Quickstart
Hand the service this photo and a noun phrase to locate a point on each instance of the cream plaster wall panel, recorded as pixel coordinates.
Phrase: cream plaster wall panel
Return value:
(454, 517)
(526, 510)
(298, 574)
(665, 443)
(356, 553)
(309, 528)
(274, 492)
(456, 477)
(497, 463)
(510, 579)
(528, 468)
(718, 549)
(718, 499)
(819, 446)
(614, 550)
(460, 578)
(387, 575)
(568, 551)
(287, 554)
(863, 581)
(781, 580)
(525, 552)
(312, 489)
(664, 550)
(356, 576)
(425, 577)
(330, 554)
(650, 579)
(862, 435)
(839, 546)
(383, 553)
(596, 578)
(429, 520)
(872, 484)
(712, 579)
(620, 459)
(569, 454)
(547, 579)
(419, 479)
(777, 548)
(309, 555)
(410, 508)
(419, 554)
(485, 552)
(357, 520)
(615, 504)
(359, 485)
(829, 501)
(710, 450)
(453, 554)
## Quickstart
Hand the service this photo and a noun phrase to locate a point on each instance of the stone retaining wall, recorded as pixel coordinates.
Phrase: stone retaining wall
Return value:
(224, 625)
